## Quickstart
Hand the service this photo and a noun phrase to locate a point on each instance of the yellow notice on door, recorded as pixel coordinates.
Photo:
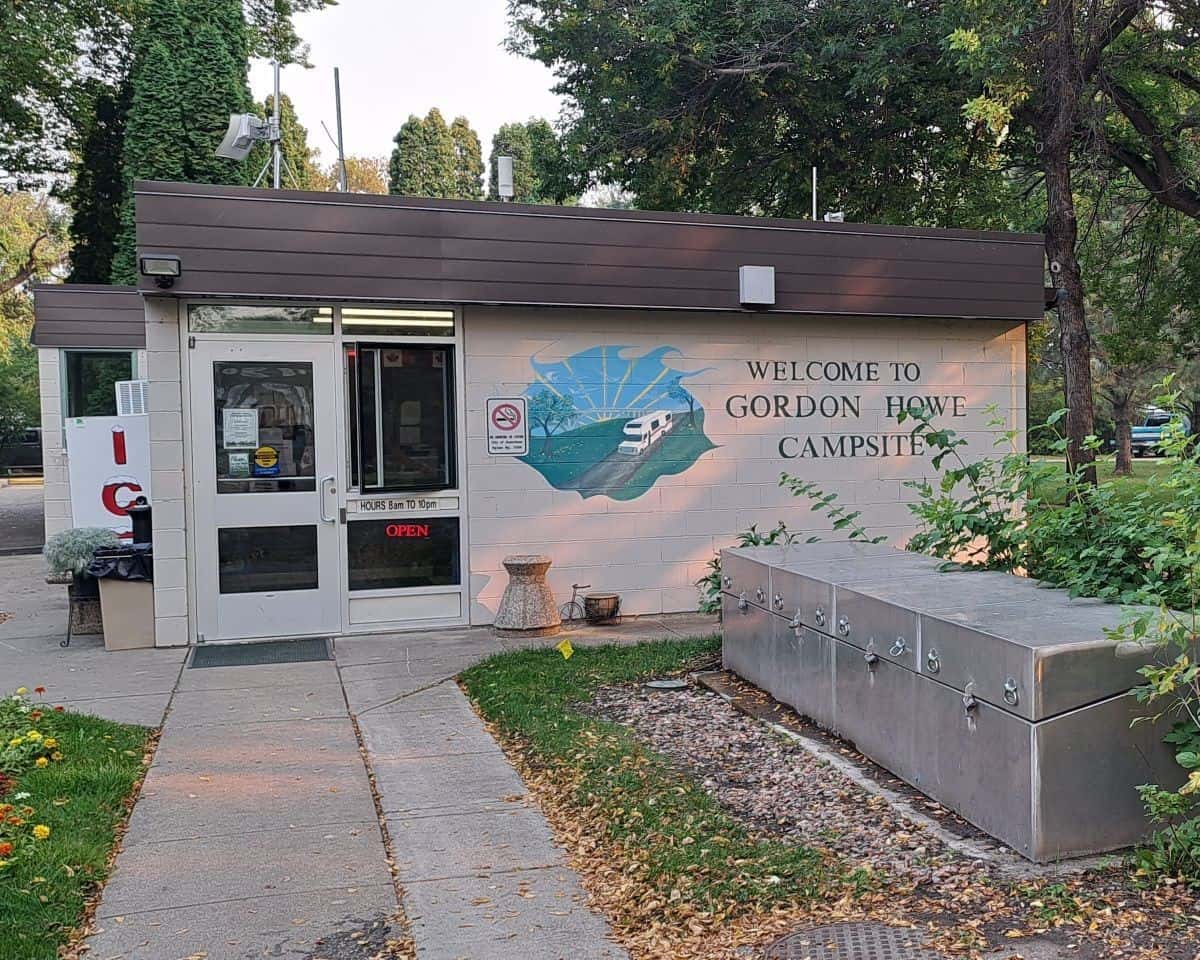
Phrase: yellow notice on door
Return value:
(564, 647)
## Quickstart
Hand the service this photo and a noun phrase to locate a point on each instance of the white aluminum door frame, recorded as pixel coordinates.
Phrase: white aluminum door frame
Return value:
(281, 613)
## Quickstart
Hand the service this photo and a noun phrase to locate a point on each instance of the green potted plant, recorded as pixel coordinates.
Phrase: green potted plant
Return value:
(68, 554)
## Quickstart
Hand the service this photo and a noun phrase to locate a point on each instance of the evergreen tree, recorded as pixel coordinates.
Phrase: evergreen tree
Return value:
(404, 164)
(99, 188)
(153, 147)
(423, 161)
(512, 140)
(468, 160)
(299, 169)
(213, 85)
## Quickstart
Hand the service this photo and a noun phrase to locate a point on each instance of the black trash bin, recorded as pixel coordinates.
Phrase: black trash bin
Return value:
(140, 513)
(126, 577)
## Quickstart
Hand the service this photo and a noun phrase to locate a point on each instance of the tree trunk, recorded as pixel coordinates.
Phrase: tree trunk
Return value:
(1057, 122)
(1123, 420)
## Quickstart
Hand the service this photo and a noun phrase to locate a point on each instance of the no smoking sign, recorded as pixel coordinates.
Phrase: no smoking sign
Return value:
(507, 427)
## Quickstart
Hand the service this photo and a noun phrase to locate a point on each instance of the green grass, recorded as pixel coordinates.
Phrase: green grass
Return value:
(1145, 473)
(573, 453)
(82, 799)
(674, 834)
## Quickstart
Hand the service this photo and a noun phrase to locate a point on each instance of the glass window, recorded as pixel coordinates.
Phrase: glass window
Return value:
(90, 378)
(264, 426)
(246, 318)
(403, 553)
(263, 559)
(405, 407)
(398, 321)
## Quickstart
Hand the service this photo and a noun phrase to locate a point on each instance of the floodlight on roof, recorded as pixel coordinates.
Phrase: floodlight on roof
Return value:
(245, 130)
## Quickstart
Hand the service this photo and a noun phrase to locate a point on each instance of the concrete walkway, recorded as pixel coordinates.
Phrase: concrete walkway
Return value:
(257, 833)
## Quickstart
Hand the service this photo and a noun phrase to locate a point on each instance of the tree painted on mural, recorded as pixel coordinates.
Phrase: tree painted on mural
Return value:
(552, 412)
(681, 394)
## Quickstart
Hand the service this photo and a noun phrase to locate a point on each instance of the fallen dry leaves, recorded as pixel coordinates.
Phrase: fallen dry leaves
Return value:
(1097, 914)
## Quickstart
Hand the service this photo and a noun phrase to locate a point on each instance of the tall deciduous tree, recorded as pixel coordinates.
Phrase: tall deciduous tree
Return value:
(33, 246)
(363, 175)
(468, 160)
(49, 55)
(558, 179)
(726, 106)
(99, 188)
(1079, 87)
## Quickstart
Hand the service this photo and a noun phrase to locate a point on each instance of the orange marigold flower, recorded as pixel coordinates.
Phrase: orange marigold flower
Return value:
(5, 849)
(59, 709)
(35, 714)
(56, 755)
(39, 689)
(15, 821)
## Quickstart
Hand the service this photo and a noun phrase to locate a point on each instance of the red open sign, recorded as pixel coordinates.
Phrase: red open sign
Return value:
(408, 530)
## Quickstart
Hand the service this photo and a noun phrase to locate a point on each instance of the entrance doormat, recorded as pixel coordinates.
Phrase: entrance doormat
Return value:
(271, 651)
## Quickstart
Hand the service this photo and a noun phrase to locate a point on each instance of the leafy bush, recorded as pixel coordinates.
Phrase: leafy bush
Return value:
(710, 583)
(70, 551)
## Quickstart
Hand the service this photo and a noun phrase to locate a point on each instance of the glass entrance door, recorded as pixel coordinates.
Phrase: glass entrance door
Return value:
(265, 488)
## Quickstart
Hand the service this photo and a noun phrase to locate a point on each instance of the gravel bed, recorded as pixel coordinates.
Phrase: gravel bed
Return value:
(776, 787)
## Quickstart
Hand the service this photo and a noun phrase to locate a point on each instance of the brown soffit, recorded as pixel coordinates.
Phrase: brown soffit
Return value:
(88, 315)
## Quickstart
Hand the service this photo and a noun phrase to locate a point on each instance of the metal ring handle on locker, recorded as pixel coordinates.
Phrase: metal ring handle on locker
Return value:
(778, 599)
(932, 661)
(899, 648)
(1011, 696)
(819, 616)
(321, 487)
(843, 626)
(760, 595)
(743, 603)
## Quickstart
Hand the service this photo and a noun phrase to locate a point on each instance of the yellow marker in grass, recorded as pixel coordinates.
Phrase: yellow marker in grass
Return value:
(564, 647)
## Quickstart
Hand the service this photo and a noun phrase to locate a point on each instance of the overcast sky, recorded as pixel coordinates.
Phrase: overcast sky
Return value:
(404, 56)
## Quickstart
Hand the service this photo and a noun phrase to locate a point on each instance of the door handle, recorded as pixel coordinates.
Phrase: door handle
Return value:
(324, 481)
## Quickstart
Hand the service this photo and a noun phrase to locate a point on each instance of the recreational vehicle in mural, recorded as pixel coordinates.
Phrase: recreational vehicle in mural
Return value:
(608, 421)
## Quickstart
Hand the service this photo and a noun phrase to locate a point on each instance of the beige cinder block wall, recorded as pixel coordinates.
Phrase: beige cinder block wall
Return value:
(167, 474)
(56, 487)
(771, 393)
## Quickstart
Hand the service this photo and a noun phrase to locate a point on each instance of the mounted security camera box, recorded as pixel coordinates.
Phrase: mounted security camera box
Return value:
(756, 286)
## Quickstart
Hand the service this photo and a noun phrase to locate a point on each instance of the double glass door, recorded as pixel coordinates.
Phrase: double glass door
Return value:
(265, 455)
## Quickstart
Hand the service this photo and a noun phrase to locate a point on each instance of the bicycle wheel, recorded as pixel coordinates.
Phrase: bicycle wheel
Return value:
(571, 610)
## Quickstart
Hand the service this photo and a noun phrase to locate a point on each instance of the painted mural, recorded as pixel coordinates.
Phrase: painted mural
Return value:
(606, 421)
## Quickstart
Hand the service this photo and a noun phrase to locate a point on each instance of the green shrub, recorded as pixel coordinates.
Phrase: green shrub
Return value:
(70, 551)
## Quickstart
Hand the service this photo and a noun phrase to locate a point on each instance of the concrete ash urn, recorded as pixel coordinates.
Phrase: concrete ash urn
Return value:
(527, 608)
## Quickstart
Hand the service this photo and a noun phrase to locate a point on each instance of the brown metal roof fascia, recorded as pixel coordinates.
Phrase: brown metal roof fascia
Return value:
(237, 241)
(88, 315)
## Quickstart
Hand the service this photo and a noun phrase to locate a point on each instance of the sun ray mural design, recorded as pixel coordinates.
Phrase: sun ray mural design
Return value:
(604, 423)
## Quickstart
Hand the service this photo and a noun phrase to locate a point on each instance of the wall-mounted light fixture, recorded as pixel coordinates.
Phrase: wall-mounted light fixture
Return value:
(164, 269)
(756, 286)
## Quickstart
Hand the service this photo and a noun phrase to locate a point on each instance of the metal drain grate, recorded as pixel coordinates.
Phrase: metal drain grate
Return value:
(851, 941)
(248, 654)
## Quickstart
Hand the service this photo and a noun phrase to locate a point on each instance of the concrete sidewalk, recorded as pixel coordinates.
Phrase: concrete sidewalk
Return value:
(257, 833)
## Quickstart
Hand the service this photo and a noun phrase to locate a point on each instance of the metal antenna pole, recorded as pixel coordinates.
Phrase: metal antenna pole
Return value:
(814, 192)
(276, 134)
(337, 99)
